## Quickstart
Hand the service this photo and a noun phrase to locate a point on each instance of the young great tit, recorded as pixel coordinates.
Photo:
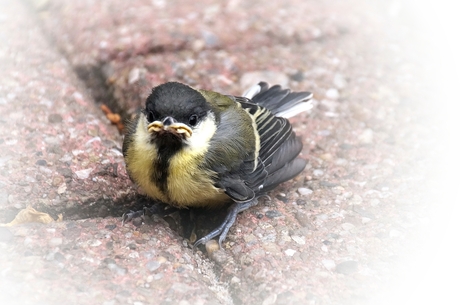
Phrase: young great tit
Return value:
(198, 148)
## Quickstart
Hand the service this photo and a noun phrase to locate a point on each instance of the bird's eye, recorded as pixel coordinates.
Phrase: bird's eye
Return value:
(193, 120)
(150, 116)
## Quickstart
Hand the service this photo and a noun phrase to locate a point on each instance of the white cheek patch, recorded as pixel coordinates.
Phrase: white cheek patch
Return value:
(202, 134)
(142, 135)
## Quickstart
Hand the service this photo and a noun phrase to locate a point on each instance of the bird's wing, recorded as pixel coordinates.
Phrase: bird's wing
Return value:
(275, 158)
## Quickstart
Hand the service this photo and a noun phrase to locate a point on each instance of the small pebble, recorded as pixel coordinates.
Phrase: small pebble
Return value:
(116, 269)
(366, 137)
(134, 75)
(290, 252)
(41, 162)
(298, 239)
(152, 265)
(347, 267)
(219, 256)
(318, 172)
(84, 173)
(328, 264)
(273, 214)
(56, 241)
(326, 156)
(62, 189)
(54, 118)
(301, 202)
(302, 218)
(304, 191)
(235, 280)
(332, 94)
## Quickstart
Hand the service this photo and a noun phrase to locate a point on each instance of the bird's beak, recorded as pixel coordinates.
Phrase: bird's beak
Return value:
(170, 125)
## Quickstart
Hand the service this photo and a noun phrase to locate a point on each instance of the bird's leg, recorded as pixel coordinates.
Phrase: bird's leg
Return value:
(228, 222)
(157, 208)
(188, 224)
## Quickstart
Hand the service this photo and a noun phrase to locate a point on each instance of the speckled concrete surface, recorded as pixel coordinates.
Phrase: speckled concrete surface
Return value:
(349, 230)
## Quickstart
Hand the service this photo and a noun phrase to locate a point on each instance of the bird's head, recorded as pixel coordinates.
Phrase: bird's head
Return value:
(178, 114)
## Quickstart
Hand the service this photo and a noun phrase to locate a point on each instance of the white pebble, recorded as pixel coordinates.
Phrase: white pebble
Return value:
(134, 75)
(304, 191)
(328, 264)
(84, 173)
(299, 239)
(290, 252)
(318, 172)
(332, 93)
(366, 137)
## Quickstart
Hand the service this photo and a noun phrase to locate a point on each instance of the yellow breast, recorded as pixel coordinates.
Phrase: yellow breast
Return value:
(189, 184)
(192, 186)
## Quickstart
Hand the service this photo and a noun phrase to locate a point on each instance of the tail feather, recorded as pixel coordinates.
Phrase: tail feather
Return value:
(281, 102)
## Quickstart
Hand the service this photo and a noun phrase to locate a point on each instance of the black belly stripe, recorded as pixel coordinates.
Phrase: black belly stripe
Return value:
(168, 145)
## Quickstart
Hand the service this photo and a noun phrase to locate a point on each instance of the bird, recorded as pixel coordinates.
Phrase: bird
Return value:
(192, 148)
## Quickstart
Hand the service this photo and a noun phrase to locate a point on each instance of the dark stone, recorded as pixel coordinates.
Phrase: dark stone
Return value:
(284, 199)
(273, 214)
(41, 162)
(66, 172)
(298, 76)
(301, 202)
(55, 118)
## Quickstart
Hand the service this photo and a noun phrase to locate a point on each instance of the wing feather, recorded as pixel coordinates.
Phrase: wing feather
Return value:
(279, 148)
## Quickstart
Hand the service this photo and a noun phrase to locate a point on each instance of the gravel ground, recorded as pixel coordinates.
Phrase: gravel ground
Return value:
(371, 220)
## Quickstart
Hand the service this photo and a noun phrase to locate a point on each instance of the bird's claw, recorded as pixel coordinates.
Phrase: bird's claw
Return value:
(224, 227)
(128, 216)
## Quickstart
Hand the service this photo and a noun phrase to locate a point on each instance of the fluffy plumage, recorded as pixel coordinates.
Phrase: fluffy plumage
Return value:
(194, 148)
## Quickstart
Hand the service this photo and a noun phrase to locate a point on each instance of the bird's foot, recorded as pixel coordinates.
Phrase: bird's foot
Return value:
(228, 222)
